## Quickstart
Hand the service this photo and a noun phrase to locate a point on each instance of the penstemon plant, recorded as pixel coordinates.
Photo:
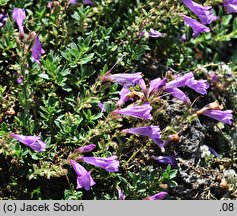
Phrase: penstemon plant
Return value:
(160, 123)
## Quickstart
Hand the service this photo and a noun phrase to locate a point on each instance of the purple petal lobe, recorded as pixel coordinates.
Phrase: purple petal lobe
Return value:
(179, 94)
(156, 85)
(124, 96)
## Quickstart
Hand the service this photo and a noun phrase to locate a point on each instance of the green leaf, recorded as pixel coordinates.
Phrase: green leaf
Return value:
(44, 76)
(4, 127)
(3, 2)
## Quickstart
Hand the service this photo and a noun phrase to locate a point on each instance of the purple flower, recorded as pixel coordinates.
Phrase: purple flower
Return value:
(102, 107)
(3, 18)
(195, 25)
(230, 6)
(143, 112)
(19, 80)
(121, 195)
(167, 160)
(152, 132)
(33, 142)
(179, 94)
(109, 164)
(214, 77)
(125, 79)
(179, 81)
(188, 80)
(87, 148)
(142, 85)
(184, 37)
(37, 50)
(158, 196)
(87, 2)
(19, 16)
(152, 33)
(73, 2)
(124, 96)
(156, 85)
(204, 13)
(219, 115)
(84, 179)
(199, 86)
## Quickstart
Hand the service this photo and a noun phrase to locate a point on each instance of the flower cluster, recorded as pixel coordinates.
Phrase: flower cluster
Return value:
(156, 87)
(205, 15)
(84, 179)
(19, 16)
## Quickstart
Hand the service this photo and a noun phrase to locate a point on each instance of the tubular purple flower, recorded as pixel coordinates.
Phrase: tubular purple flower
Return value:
(102, 107)
(87, 148)
(125, 79)
(19, 16)
(124, 96)
(158, 196)
(179, 81)
(199, 86)
(152, 132)
(33, 142)
(179, 94)
(153, 33)
(37, 50)
(84, 179)
(214, 77)
(230, 6)
(188, 80)
(143, 111)
(87, 2)
(220, 115)
(156, 85)
(110, 164)
(121, 195)
(167, 160)
(204, 13)
(195, 25)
